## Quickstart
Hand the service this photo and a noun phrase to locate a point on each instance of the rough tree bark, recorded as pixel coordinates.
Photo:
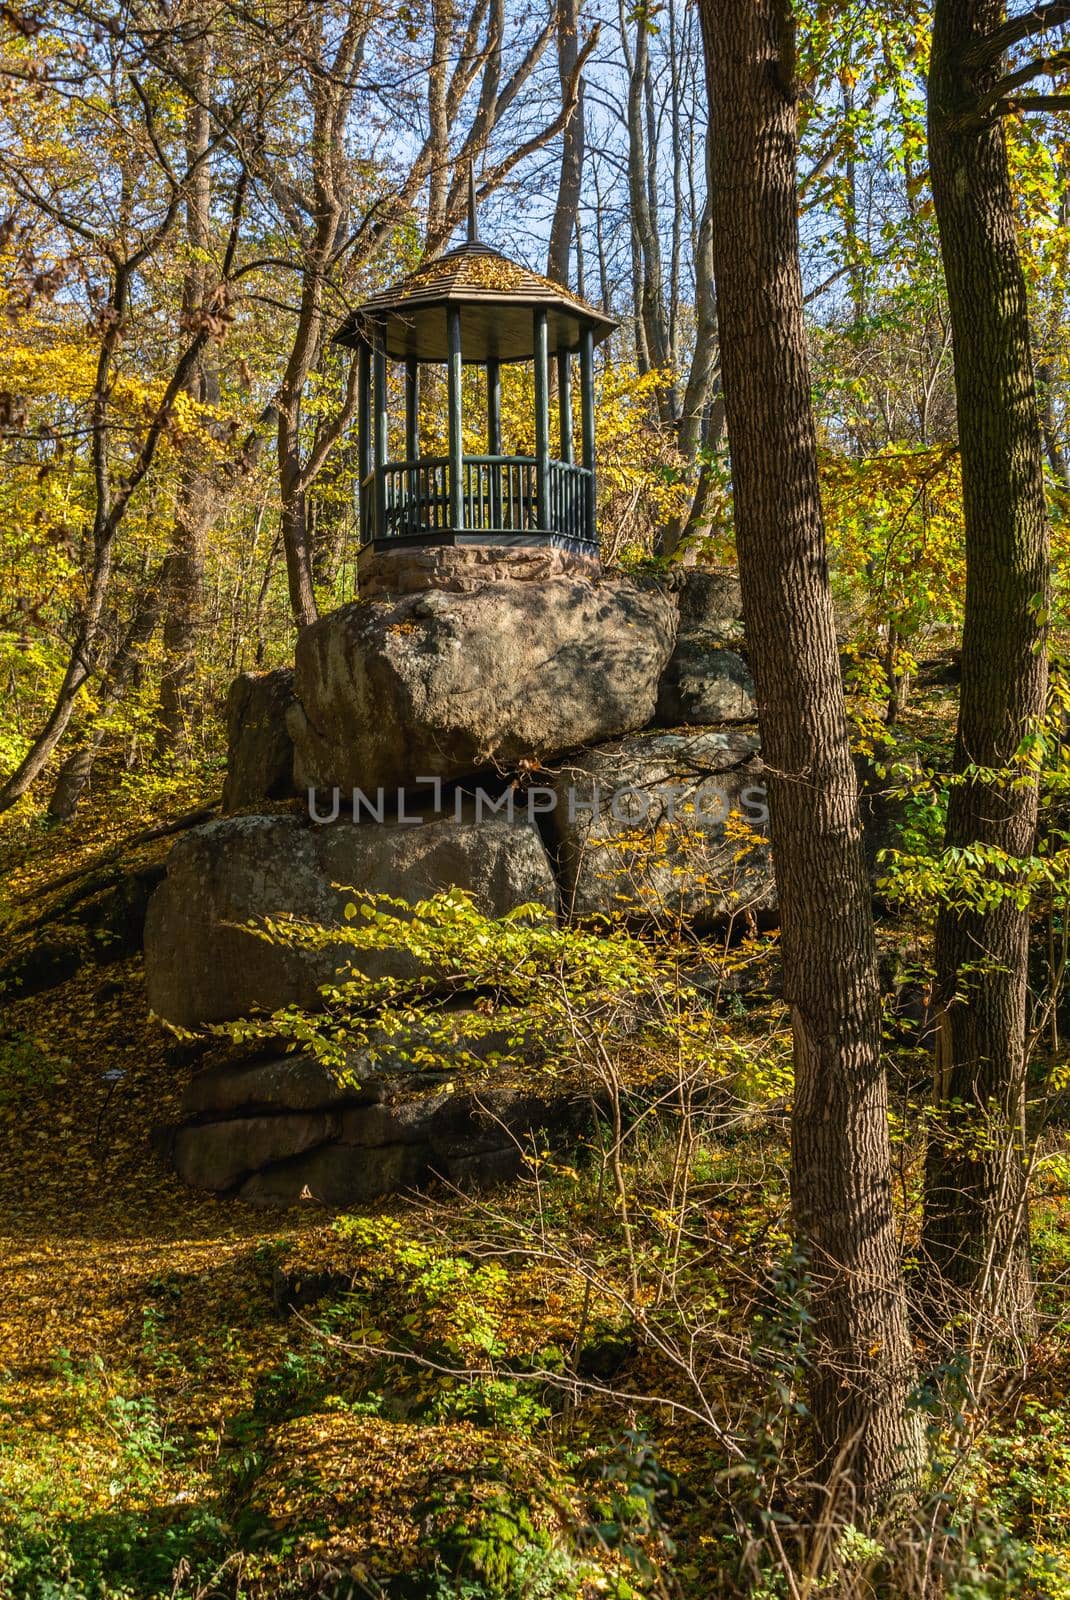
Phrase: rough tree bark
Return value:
(862, 1366)
(976, 1208)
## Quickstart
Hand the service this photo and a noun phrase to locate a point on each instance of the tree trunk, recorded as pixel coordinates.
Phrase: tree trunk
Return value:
(566, 211)
(293, 523)
(652, 345)
(78, 767)
(195, 496)
(862, 1367)
(976, 1210)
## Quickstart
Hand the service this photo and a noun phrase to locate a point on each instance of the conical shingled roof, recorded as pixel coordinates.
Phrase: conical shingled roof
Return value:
(496, 297)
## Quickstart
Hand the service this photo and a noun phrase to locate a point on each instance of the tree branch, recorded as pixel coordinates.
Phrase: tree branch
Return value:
(1046, 67)
(1026, 103)
(1014, 30)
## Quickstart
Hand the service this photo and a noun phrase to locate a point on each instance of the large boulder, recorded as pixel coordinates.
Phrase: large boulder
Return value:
(260, 752)
(705, 684)
(203, 966)
(662, 826)
(710, 604)
(446, 685)
(278, 1083)
(217, 1155)
(707, 680)
(394, 1132)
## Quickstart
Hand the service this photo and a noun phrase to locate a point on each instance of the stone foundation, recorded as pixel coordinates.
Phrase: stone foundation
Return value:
(459, 568)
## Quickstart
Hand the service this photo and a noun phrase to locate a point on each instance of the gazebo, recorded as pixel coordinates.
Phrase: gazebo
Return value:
(473, 305)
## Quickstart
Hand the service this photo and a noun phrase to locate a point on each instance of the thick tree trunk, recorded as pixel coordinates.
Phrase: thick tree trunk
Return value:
(976, 1210)
(863, 1371)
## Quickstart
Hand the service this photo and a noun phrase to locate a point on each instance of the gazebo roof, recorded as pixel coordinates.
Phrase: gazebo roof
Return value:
(496, 298)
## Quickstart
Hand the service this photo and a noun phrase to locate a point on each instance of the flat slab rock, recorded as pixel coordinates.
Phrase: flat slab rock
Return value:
(300, 1082)
(355, 1153)
(202, 965)
(464, 567)
(449, 684)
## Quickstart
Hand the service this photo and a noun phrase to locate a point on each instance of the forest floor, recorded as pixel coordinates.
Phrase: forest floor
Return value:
(427, 1398)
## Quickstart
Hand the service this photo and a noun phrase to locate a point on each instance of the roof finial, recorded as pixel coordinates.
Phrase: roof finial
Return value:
(473, 220)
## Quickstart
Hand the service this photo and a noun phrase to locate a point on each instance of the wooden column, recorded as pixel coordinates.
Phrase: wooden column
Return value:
(382, 431)
(494, 408)
(494, 439)
(542, 422)
(587, 428)
(364, 439)
(412, 410)
(456, 441)
(564, 401)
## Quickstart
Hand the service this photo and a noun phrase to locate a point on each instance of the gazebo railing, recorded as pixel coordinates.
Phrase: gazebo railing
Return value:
(499, 494)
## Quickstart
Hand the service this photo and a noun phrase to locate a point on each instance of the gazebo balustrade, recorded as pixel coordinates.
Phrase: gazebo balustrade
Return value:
(499, 495)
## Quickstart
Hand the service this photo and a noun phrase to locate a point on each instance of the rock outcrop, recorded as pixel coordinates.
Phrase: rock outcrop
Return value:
(445, 685)
(705, 684)
(710, 604)
(461, 681)
(202, 965)
(460, 568)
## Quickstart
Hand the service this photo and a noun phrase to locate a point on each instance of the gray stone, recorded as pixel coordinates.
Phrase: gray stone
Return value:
(360, 1153)
(705, 684)
(406, 1122)
(464, 567)
(260, 754)
(216, 1155)
(338, 1176)
(302, 1083)
(706, 680)
(465, 1138)
(446, 685)
(203, 965)
(711, 605)
(659, 849)
(287, 1083)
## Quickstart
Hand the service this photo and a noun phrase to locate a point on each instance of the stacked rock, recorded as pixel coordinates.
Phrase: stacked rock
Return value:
(522, 732)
